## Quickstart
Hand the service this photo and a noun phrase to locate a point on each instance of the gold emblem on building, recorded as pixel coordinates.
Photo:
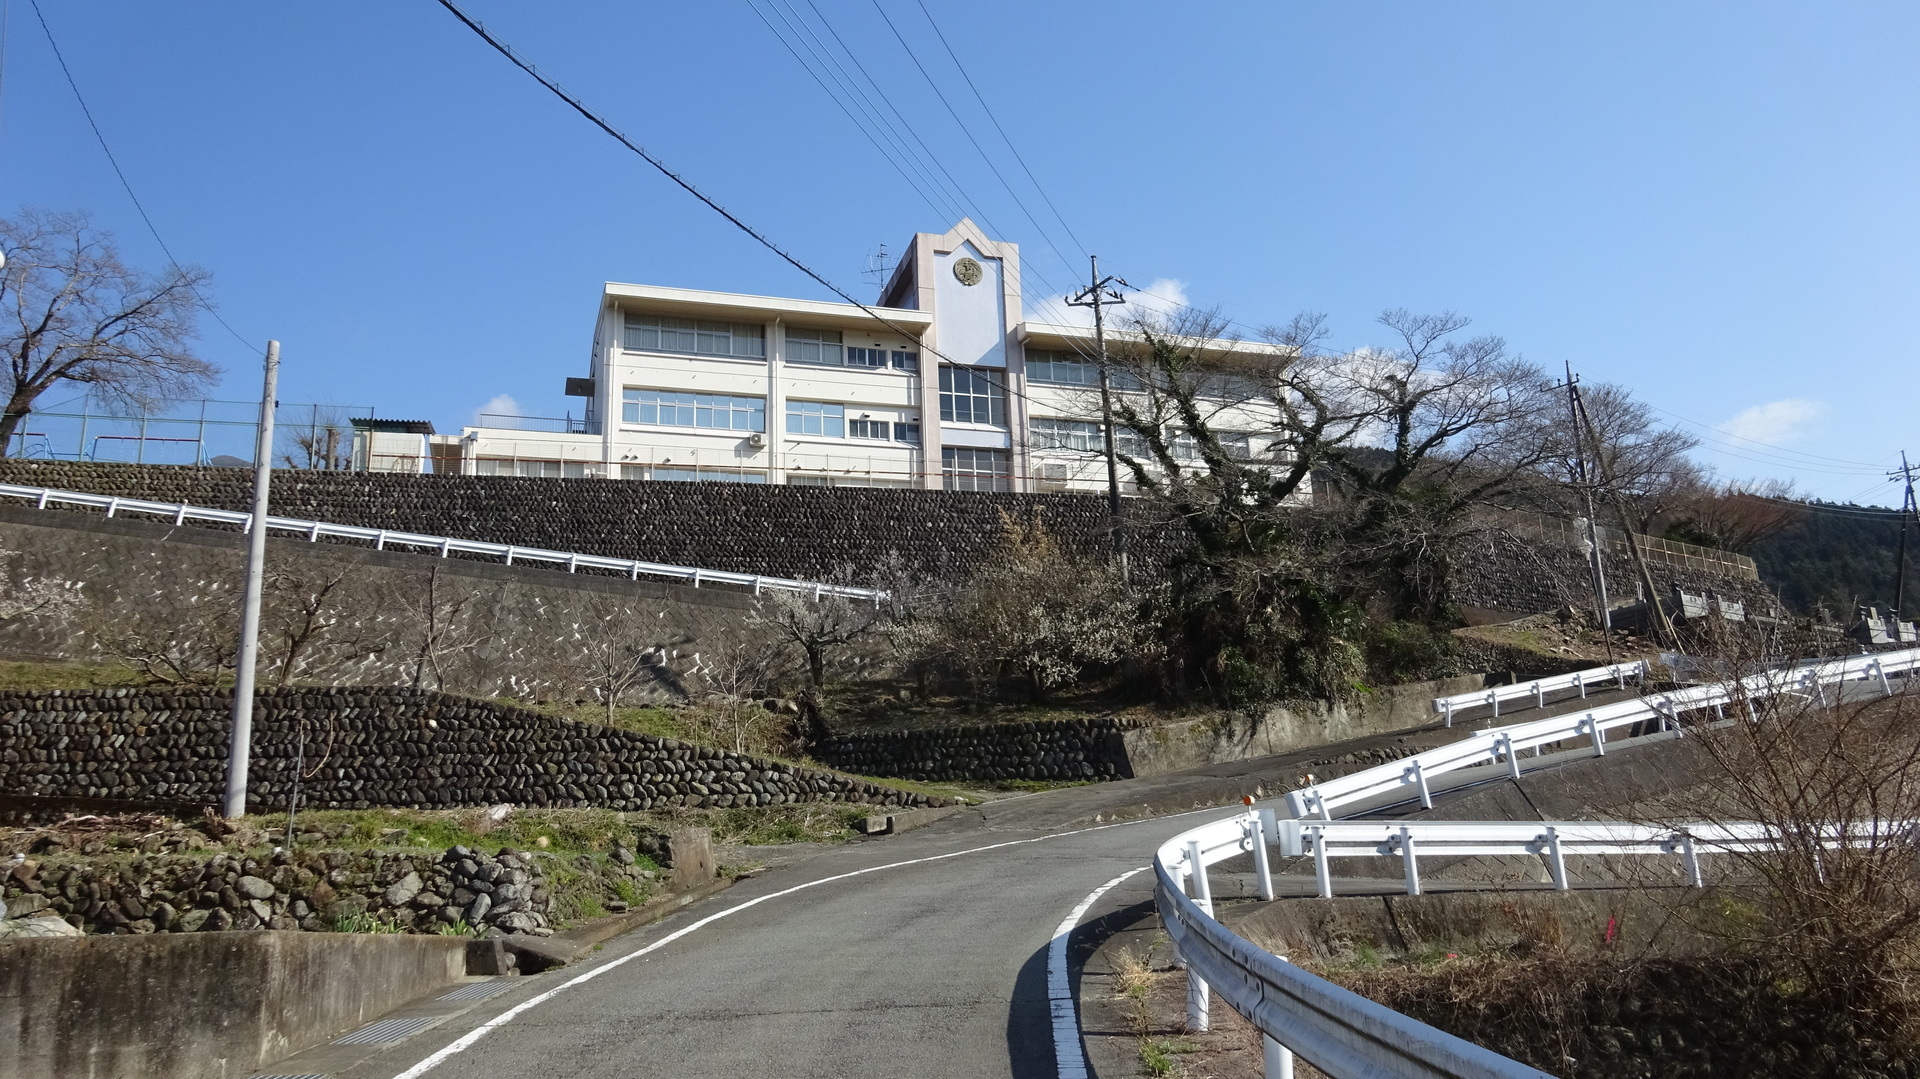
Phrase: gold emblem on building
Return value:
(967, 271)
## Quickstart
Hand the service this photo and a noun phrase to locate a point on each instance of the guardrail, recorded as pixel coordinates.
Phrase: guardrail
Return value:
(382, 538)
(1538, 689)
(1413, 776)
(1348, 1036)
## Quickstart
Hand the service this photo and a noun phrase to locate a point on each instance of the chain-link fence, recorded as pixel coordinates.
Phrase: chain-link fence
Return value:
(199, 432)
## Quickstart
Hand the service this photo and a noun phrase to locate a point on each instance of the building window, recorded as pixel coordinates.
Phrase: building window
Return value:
(867, 429)
(1183, 445)
(976, 470)
(1066, 369)
(907, 431)
(968, 395)
(906, 361)
(1239, 445)
(709, 410)
(654, 333)
(816, 418)
(815, 346)
(866, 357)
(1068, 435)
(547, 470)
(690, 474)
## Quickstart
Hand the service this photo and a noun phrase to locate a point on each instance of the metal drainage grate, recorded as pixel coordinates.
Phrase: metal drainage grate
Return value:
(479, 991)
(388, 1030)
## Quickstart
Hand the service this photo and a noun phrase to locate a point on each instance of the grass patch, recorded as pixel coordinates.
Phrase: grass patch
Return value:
(1158, 1055)
(26, 676)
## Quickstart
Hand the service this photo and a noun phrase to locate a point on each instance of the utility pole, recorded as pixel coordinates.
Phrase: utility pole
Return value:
(1909, 512)
(1596, 558)
(240, 741)
(1663, 631)
(1099, 294)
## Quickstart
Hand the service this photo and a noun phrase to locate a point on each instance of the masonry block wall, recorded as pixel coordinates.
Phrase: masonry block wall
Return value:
(803, 532)
(1052, 750)
(378, 747)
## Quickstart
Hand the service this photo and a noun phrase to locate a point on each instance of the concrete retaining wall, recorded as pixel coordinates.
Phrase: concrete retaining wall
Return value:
(514, 631)
(200, 1006)
(1173, 747)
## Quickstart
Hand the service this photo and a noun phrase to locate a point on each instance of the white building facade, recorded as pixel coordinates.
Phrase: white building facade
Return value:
(942, 384)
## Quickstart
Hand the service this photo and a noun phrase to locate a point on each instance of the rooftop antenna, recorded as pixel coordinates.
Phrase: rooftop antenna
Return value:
(879, 266)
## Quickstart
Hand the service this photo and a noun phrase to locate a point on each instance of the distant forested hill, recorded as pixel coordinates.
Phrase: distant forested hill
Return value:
(1838, 555)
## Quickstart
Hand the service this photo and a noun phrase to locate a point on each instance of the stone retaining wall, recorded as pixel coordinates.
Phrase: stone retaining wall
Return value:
(311, 891)
(774, 530)
(376, 747)
(1049, 750)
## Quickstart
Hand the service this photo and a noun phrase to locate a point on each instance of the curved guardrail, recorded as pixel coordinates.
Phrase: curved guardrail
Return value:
(1494, 696)
(1347, 1036)
(382, 538)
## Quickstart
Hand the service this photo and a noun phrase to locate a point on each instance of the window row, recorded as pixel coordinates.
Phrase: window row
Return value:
(1084, 437)
(696, 337)
(653, 333)
(831, 421)
(1070, 369)
(709, 410)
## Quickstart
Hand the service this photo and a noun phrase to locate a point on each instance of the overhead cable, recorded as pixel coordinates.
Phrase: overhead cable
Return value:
(111, 160)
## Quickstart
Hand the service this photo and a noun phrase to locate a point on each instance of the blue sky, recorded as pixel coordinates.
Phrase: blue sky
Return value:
(1711, 202)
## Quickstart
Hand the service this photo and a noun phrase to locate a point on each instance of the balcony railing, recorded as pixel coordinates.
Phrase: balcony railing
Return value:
(558, 425)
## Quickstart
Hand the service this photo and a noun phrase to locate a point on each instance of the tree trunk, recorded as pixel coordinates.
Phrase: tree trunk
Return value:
(16, 414)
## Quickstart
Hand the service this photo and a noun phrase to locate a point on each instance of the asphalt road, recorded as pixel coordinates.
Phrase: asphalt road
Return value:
(921, 955)
(933, 968)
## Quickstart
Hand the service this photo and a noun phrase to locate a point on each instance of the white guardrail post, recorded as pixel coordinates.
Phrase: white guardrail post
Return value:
(1197, 992)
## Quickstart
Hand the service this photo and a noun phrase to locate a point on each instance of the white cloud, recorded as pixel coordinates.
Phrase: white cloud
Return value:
(1163, 297)
(1777, 422)
(501, 405)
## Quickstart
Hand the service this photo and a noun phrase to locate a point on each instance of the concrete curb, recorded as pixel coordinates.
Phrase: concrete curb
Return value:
(536, 954)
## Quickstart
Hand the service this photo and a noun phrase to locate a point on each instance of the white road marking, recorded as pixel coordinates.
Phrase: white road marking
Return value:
(466, 1041)
(1069, 1058)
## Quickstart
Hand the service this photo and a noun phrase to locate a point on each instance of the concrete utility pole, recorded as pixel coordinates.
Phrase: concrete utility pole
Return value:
(1097, 295)
(1596, 557)
(240, 742)
(1909, 512)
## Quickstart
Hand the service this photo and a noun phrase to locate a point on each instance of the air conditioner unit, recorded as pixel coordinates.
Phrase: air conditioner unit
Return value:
(757, 441)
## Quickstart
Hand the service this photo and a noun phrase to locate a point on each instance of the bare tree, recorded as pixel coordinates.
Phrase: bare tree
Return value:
(304, 609)
(616, 648)
(1354, 498)
(1644, 459)
(446, 623)
(75, 313)
(1836, 783)
(26, 595)
(821, 624)
(179, 637)
(1734, 516)
(733, 670)
(324, 442)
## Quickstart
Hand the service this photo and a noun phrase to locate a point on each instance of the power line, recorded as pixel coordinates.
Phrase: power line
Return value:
(884, 152)
(580, 107)
(984, 107)
(1767, 445)
(951, 111)
(111, 160)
